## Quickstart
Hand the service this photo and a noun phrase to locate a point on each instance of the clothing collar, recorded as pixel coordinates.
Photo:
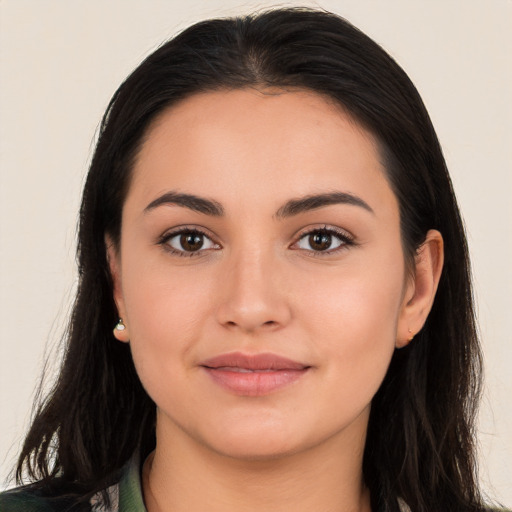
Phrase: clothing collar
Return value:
(125, 495)
(130, 489)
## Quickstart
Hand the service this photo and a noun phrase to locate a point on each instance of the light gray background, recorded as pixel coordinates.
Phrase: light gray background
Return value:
(61, 61)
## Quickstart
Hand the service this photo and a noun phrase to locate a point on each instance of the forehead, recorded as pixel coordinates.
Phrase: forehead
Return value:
(264, 145)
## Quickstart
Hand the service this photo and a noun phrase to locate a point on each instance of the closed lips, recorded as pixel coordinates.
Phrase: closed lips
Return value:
(245, 370)
(253, 375)
(258, 362)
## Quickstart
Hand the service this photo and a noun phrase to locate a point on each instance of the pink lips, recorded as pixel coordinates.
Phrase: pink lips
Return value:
(253, 375)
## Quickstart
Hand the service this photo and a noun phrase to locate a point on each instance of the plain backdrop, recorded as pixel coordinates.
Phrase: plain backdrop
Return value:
(61, 61)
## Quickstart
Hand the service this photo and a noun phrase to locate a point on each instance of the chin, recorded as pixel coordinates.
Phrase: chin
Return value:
(257, 442)
(255, 451)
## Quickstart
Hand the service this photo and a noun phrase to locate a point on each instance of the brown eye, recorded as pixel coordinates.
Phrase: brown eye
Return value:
(189, 242)
(323, 240)
(320, 241)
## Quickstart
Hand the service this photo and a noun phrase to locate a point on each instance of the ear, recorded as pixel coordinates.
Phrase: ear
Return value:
(421, 288)
(114, 263)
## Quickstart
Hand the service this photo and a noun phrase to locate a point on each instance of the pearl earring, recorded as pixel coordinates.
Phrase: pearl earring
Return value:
(120, 325)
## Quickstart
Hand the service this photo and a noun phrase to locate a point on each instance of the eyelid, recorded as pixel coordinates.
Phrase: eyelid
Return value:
(178, 230)
(345, 236)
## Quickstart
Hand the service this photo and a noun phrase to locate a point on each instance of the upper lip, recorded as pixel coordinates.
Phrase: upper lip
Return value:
(264, 361)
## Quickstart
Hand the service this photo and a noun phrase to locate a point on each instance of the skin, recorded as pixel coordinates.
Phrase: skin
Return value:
(258, 286)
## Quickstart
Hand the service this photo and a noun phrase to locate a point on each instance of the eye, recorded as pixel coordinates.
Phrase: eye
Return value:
(187, 242)
(323, 240)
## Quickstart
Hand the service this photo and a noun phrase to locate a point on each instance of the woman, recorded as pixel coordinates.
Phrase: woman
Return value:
(269, 227)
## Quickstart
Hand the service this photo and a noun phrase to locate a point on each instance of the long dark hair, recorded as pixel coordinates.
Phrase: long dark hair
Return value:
(420, 438)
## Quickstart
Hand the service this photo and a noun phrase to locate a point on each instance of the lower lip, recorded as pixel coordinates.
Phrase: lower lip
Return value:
(254, 383)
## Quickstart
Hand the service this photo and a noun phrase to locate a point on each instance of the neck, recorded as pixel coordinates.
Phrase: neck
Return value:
(186, 476)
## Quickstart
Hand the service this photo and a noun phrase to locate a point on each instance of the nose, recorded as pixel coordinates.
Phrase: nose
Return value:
(254, 295)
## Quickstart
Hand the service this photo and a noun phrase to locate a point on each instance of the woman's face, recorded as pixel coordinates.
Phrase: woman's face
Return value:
(260, 273)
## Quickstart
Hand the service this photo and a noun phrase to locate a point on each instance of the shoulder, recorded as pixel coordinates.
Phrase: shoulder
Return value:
(33, 499)
(21, 500)
(123, 494)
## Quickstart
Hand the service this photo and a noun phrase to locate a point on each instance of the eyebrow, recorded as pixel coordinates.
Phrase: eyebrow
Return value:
(289, 209)
(312, 202)
(190, 201)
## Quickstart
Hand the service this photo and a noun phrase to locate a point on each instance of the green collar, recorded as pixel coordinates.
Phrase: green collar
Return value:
(130, 489)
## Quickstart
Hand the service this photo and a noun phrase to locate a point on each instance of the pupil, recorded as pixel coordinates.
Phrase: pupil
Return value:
(191, 242)
(320, 241)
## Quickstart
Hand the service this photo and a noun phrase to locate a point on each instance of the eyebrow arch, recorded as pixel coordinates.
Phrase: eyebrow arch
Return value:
(190, 201)
(312, 202)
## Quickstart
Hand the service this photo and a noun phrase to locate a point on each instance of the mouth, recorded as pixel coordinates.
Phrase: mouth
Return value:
(253, 375)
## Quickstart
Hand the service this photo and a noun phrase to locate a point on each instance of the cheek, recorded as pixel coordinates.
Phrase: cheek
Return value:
(166, 309)
(357, 299)
(352, 321)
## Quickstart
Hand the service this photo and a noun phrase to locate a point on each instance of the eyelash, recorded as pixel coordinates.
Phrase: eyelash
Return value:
(164, 241)
(345, 239)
